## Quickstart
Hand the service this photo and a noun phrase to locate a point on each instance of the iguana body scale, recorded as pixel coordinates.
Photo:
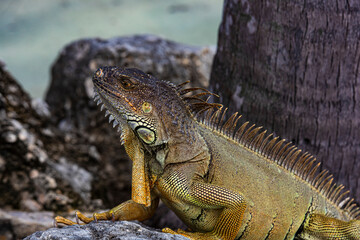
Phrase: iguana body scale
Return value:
(266, 218)
(223, 182)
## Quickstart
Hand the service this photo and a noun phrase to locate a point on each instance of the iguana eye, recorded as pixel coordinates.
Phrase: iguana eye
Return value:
(146, 107)
(147, 135)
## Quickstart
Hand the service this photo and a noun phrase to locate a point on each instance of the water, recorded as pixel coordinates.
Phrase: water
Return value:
(33, 32)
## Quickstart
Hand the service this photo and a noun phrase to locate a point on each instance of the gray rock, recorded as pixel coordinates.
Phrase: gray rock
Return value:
(79, 178)
(20, 224)
(28, 180)
(123, 230)
(41, 107)
(9, 137)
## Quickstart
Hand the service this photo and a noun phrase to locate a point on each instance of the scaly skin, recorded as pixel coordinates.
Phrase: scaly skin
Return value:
(224, 184)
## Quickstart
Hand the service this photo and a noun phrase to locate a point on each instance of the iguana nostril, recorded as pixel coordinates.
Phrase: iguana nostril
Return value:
(99, 73)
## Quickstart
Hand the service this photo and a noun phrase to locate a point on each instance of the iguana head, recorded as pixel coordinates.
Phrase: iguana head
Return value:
(154, 119)
(140, 102)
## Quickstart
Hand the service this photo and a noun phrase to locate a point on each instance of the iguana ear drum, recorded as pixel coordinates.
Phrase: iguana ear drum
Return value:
(147, 107)
(147, 135)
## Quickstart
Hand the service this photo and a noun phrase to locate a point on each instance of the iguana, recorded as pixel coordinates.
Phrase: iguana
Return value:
(224, 182)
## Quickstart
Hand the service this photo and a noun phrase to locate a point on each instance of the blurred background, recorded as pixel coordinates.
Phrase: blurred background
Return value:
(33, 32)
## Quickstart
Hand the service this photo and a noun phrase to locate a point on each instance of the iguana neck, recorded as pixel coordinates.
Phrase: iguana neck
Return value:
(184, 142)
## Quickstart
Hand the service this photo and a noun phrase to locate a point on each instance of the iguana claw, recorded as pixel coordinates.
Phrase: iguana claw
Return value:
(80, 219)
(191, 235)
(77, 218)
(55, 225)
(63, 220)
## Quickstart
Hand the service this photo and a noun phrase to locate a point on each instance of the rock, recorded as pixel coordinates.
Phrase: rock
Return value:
(20, 224)
(30, 151)
(41, 107)
(68, 171)
(104, 230)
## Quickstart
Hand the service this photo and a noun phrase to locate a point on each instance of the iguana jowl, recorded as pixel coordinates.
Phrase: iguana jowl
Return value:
(224, 182)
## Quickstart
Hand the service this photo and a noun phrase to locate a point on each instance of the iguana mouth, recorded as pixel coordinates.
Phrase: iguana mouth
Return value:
(125, 119)
(110, 111)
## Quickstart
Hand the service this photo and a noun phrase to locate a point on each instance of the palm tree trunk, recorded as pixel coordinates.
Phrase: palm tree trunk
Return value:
(293, 66)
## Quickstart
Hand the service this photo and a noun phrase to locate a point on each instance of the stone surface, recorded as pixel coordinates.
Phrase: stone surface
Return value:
(32, 150)
(27, 152)
(18, 224)
(104, 230)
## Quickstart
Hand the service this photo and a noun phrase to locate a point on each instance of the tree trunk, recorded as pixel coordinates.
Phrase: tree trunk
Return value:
(293, 66)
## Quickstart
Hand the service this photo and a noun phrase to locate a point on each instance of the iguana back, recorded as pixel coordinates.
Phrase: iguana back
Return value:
(280, 196)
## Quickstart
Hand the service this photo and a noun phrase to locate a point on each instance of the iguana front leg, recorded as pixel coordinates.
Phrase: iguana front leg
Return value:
(207, 196)
(128, 210)
(142, 205)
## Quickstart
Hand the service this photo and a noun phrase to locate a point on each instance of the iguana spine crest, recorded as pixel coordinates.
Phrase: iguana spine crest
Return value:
(284, 153)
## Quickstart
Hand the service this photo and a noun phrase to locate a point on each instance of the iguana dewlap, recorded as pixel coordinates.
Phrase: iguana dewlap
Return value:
(223, 181)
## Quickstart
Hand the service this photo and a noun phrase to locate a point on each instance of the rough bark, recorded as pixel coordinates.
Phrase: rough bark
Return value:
(293, 66)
